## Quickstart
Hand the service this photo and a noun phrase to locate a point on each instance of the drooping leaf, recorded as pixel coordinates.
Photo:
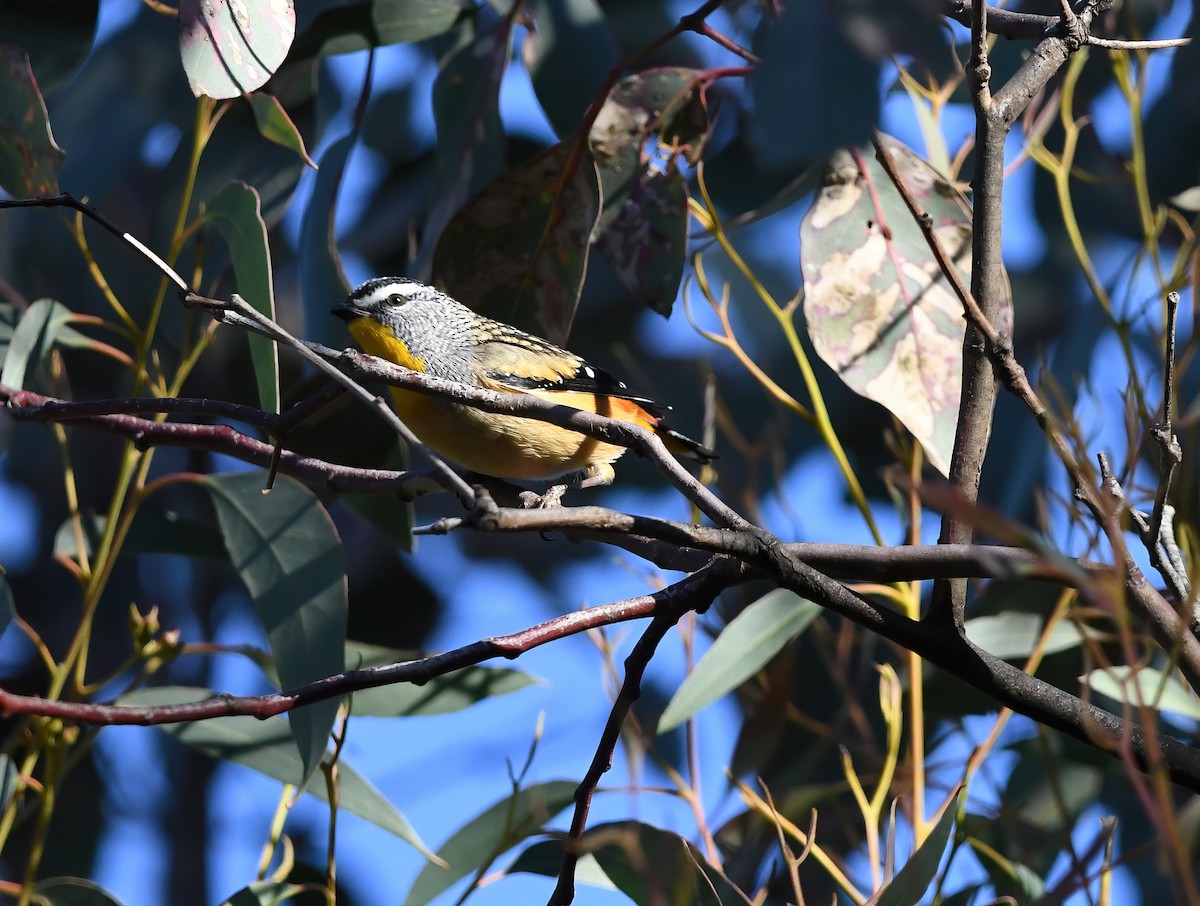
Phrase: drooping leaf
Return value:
(471, 145)
(236, 214)
(569, 53)
(879, 310)
(663, 103)
(646, 245)
(73, 892)
(230, 47)
(1013, 635)
(651, 865)
(545, 858)
(490, 834)
(276, 126)
(8, 607)
(518, 251)
(813, 91)
(914, 877)
(56, 34)
(1146, 686)
(360, 26)
(267, 746)
(284, 547)
(440, 695)
(29, 158)
(750, 640)
(45, 324)
(322, 279)
(642, 231)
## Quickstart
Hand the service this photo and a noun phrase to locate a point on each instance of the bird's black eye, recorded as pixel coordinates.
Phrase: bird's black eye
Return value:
(396, 299)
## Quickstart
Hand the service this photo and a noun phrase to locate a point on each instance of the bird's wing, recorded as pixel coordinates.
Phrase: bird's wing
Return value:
(521, 363)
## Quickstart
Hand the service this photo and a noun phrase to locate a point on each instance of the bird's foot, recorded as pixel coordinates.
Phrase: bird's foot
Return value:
(548, 500)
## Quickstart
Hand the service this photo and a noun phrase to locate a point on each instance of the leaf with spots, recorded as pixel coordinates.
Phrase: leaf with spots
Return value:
(518, 251)
(29, 158)
(880, 312)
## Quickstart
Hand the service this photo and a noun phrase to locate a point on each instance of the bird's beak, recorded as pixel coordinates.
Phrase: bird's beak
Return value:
(348, 311)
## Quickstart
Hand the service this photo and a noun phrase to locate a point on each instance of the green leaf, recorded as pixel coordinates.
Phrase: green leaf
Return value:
(9, 773)
(1147, 686)
(440, 695)
(73, 892)
(518, 251)
(29, 158)
(286, 551)
(360, 26)
(652, 866)
(491, 833)
(264, 893)
(569, 52)
(914, 878)
(879, 310)
(813, 91)
(322, 279)
(545, 858)
(8, 607)
(646, 245)
(276, 126)
(470, 136)
(266, 746)
(750, 640)
(56, 34)
(230, 47)
(45, 324)
(235, 212)
(1013, 635)
(153, 532)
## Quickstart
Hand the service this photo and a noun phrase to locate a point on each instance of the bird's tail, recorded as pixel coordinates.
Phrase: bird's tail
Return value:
(682, 445)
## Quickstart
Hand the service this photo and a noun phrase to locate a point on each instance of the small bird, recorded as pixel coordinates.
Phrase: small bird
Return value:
(421, 328)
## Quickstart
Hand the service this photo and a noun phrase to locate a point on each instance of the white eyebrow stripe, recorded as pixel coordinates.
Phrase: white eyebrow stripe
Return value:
(408, 290)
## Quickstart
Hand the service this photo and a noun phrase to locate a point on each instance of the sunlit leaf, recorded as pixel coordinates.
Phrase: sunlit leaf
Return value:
(232, 47)
(236, 214)
(914, 877)
(1146, 686)
(518, 251)
(29, 158)
(491, 833)
(284, 547)
(750, 640)
(879, 310)
(276, 126)
(267, 746)
(73, 892)
(56, 34)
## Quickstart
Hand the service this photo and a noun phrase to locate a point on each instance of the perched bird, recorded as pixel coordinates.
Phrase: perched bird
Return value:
(417, 326)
